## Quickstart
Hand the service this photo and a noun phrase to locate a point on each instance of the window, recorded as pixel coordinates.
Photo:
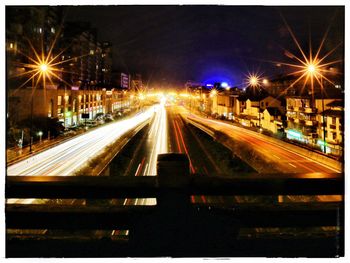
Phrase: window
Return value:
(262, 104)
(334, 120)
(267, 104)
(334, 135)
(59, 100)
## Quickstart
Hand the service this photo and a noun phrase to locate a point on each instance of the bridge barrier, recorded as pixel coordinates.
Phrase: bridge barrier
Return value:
(175, 226)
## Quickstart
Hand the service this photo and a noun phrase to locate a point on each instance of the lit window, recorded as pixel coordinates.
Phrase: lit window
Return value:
(40, 30)
(53, 30)
(11, 45)
(92, 52)
(62, 57)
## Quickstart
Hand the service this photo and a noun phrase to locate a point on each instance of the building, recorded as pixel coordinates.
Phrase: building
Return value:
(252, 113)
(83, 55)
(224, 101)
(305, 114)
(82, 81)
(67, 104)
(106, 62)
(29, 28)
(272, 120)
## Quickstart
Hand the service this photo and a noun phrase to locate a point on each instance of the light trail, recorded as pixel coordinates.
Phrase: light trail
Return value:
(159, 136)
(66, 158)
(158, 143)
(265, 147)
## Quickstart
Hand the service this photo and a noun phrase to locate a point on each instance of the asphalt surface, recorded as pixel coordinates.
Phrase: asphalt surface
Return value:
(286, 158)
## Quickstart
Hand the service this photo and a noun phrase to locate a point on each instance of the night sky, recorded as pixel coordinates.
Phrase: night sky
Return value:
(173, 44)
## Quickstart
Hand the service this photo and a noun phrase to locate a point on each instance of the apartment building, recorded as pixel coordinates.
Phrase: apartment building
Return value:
(305, 115)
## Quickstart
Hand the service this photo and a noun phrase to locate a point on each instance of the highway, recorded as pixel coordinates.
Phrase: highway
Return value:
(69, 156)
(168, 132)
(155, 142)
(65, 158)
(288, 160)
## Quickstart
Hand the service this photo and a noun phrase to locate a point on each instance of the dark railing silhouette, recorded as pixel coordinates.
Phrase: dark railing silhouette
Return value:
(175, 226)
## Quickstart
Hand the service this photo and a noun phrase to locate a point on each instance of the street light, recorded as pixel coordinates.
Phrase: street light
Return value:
(313, 71)
(254, 81)
(42, 69)
(41, 66)
(40, 133)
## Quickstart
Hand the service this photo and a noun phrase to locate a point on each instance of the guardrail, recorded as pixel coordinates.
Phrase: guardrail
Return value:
(175, 226)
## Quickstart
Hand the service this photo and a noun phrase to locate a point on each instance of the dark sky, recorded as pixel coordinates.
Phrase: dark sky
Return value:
(172, 44)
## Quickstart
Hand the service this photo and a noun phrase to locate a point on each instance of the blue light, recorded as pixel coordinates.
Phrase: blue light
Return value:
(294, 134)
(209, 85)
(224, 84)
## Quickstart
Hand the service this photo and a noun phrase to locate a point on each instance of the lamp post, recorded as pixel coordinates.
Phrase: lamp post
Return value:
(314, 70)
(40, 133)
(323, 118)
(41, 69)
(254, 82)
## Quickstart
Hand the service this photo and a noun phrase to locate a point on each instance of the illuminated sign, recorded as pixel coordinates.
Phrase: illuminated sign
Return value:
(321, 143)
(294, 134)
(75, 88)
(124, 80)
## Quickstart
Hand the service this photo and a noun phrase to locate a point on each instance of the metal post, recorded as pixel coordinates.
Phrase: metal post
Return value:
(260, 94)
(323, 117)
(31, 120)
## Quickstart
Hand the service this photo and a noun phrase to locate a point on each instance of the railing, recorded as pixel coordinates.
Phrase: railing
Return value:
(175, 226)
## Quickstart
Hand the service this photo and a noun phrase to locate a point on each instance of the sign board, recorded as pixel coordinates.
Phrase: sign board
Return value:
(124, 80)
(85, 115)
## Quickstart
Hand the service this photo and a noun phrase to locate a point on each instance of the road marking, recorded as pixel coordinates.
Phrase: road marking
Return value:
(292, 165)
(137, 170)
(276, 156)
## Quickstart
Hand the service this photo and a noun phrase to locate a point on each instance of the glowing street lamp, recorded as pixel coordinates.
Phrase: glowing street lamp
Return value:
(311, 68)
(40, 133)
(253, 81)
(43, 69)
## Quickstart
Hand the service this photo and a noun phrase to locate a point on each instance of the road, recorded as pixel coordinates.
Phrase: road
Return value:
(168, 132)
(69, 156)
(144, 162)
(288, 160)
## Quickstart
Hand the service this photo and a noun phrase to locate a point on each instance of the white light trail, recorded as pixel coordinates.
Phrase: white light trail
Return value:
(159, 136)
(67, 157)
